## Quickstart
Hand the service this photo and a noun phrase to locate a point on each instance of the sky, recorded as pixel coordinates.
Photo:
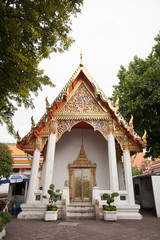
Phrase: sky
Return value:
(110, 33)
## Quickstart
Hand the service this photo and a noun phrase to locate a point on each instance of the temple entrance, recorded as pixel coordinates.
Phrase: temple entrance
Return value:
(81, 177)
(82, 184)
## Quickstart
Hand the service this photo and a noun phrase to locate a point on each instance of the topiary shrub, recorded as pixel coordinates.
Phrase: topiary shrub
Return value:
(110, 199)
(52, 198)
(6, 217)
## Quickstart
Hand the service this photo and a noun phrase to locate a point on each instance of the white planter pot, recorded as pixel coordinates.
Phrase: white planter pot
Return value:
(3, 233)
(51, 215)
(110, 216)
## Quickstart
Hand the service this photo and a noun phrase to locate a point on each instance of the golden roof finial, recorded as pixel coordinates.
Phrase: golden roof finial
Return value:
(81, 63)
(47, 103)
(33, 123)
(117, 103)
(18, 136)
(144, 136)
(131, 121)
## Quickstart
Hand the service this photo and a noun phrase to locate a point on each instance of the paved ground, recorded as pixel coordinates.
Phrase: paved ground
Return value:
(146, 229)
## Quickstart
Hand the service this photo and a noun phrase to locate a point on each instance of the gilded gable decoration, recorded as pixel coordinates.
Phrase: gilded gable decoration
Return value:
(66, 125)
(82, 102)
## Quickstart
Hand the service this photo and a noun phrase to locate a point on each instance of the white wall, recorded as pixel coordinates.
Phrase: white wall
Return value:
(68, 148)
(156, 188)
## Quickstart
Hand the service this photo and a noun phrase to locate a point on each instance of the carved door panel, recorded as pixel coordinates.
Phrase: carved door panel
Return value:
(82, 184)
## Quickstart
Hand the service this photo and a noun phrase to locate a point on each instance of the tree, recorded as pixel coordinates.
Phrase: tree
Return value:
(30, 31)
(136, 171)
(6, 161)
(139, 94)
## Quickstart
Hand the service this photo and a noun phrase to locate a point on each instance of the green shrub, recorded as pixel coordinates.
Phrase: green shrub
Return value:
(1, 224)
(53, 198)
(109, 208)
(6, 217)
(51, 208)
(110, 199)
(2, 204)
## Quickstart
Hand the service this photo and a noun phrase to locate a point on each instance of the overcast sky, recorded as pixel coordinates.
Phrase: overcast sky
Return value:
(110, 33)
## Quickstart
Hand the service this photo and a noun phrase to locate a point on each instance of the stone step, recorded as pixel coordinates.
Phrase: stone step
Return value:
(80, 211)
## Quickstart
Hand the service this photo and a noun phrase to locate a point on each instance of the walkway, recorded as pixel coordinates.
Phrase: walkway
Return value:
(146, 229)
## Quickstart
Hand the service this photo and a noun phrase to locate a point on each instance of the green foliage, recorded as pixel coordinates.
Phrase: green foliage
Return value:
(110, 199)
(109, 208)
(114, 194)
(1, 224)
(52, 208)
(6, 217)
(52, 198)
(6, 161)
(136, 171)
(30, 31)
(139, 94)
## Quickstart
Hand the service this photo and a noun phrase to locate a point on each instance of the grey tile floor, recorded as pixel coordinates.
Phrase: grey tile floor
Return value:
(146, 229)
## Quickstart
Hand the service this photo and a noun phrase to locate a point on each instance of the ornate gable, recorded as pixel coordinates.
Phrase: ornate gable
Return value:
(81, 102)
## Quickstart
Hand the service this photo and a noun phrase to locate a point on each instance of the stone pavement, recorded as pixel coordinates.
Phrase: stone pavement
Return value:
(146, 229)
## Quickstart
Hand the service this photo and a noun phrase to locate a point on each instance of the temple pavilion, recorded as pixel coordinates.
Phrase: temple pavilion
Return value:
(86, 145)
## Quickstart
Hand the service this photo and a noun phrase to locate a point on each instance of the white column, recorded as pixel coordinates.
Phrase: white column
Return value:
(34, 172)
(112, 163)
(128, 177)
(120, 175)
(50, 154)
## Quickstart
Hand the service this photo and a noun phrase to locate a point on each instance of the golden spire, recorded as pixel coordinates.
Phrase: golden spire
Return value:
(131, 121)
(144, 136)
(81, 63)
(82, 155)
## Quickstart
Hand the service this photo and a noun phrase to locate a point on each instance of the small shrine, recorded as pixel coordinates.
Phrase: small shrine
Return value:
(86, 146)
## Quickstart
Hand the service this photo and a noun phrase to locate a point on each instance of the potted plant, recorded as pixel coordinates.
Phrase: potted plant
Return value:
(51, 214)
(5, 217)
(110, 211)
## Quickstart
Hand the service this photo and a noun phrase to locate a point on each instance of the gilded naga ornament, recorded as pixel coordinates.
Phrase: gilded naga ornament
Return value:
(144, 138)
(18, 136)
(117, 103)
(131, 122)
(47, 103)
(33, 123)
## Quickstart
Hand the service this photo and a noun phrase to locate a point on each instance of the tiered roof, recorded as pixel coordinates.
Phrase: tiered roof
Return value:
(81, 72)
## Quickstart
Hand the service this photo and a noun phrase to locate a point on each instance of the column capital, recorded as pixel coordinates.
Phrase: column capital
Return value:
(125, 144)
(38, 143)
(110, 126)
(53, 126)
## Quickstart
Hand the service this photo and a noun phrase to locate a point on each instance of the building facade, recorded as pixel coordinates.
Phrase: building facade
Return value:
(86, 145)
